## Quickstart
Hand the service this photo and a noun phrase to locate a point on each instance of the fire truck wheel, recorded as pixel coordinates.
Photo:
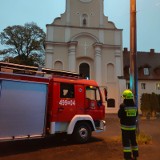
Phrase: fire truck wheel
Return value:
(82, 132)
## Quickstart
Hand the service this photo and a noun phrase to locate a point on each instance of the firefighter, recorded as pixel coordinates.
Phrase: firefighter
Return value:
(127, 114)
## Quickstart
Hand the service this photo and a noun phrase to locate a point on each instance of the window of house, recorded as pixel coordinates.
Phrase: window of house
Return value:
(128, 85)
(143, 86)
(157, 86)
(146, 71)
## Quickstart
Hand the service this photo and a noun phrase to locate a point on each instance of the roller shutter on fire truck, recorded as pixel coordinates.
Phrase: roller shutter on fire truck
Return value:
(22, 108)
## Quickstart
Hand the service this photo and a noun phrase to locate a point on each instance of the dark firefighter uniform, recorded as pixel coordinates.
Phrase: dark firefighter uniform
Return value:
(128, 116)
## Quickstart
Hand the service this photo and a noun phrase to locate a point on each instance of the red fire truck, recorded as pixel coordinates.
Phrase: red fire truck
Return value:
(33, 105)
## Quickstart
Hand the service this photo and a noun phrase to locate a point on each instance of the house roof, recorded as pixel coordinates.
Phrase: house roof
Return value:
(150, 60)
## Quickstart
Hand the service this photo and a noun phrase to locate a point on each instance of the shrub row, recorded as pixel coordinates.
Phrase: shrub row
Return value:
(150, 104)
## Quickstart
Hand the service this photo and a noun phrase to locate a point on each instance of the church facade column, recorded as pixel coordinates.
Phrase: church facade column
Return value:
(68, 4)
(72, 56)
(49, 55)
(101, 13)
(118, 64)
(98, 62)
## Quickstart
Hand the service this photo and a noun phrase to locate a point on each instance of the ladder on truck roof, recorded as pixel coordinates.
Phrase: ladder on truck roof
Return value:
(37, 71)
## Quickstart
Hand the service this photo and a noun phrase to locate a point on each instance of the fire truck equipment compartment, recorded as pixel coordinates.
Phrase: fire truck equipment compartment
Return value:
(22, 108)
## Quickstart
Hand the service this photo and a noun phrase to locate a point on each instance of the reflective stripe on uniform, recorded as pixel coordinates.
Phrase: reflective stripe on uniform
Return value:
(127, 149)
(134, 148)
(129, 128)
(131, 111)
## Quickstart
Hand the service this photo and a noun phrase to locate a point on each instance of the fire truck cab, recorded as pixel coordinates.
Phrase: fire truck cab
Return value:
(34, 106)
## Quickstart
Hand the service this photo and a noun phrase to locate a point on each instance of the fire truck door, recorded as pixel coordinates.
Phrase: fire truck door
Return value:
(66, 102)
(94, 102)
(80, 98)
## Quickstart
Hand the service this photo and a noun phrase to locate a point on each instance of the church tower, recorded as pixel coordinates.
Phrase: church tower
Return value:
(82, 40)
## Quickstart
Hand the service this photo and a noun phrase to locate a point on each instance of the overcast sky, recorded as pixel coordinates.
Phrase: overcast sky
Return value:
(42, 12)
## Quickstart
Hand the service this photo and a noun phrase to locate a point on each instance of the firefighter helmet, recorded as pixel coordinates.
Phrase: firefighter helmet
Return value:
(127, 94)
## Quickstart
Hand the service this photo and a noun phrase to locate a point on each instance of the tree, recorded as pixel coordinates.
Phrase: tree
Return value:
(25, 44)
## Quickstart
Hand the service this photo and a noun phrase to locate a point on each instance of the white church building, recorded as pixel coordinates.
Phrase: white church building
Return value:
(82, 40)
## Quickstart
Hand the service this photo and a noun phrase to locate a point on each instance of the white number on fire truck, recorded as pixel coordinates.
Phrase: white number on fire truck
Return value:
(63, 102)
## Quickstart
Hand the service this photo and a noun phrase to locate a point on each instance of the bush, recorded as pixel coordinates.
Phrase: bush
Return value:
(154, 103)
(142, 138)
(158, 97)
(145, 104)
(150, 104)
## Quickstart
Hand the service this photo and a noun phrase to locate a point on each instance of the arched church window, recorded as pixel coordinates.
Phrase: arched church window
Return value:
(84, 70)
(84, 19)
(58, 65)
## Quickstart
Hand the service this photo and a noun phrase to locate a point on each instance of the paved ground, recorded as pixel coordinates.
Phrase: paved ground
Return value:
(103, 146)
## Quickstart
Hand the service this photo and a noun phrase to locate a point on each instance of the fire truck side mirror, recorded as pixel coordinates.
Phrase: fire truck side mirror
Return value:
(105, 94)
